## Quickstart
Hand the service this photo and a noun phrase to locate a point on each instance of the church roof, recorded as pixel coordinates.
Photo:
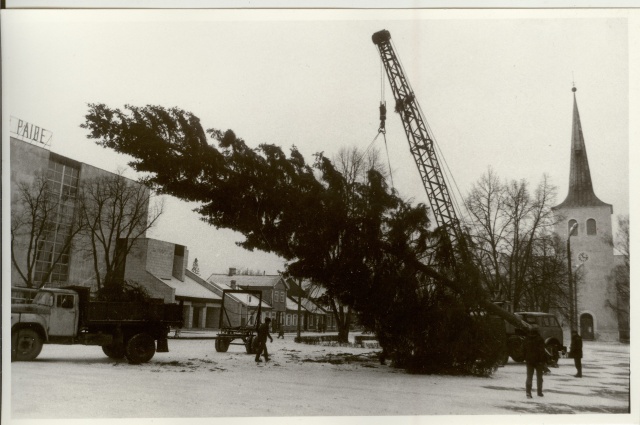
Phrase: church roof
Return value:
(580, 185)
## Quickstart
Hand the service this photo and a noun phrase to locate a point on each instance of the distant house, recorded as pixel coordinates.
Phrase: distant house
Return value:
(239, 309)
(273, 288)
(161, 268)
(315, 318)
(291, 316)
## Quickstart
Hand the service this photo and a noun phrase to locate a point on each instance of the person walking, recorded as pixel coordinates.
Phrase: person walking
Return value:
(263, 334)
(575, 352)
(535, 357)
(281, 331)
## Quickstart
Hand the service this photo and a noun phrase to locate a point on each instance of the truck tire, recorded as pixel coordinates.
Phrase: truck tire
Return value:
(222, 344)
(504, 358)
(515, 349)
(140, 348)
(114, 351)
(553, 349)
(250, 345)
(28, 344)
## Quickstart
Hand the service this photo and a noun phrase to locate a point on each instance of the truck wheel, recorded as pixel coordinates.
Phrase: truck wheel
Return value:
(517, 357)
(140, 348)
(515, 349)
(222, 344)
(248, 345)
(114, 351)
(28, 344)
(552, 350)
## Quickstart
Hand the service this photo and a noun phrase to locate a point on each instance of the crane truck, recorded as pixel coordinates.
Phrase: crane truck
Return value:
(422, 147)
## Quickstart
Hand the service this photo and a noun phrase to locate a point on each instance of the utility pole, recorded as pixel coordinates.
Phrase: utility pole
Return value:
(299, 303)
(572, 293)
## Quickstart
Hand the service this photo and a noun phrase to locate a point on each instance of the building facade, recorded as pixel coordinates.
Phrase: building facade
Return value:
(592, 256)
(273, 288)
(161, 268)
(240, 309)
(45, 189)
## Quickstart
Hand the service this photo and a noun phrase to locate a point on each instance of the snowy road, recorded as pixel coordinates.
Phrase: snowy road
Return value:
(194, 381)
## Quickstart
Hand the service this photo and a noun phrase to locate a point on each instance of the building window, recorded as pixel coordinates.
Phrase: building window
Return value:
(288, 319)
(591, 227)
(62, 187)
(570, 225)
(282, 296)
(295, 320)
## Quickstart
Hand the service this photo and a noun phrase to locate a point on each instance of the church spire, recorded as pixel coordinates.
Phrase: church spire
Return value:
(580, 186)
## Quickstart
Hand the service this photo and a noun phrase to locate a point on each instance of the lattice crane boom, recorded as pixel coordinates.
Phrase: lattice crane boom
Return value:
(420, 140)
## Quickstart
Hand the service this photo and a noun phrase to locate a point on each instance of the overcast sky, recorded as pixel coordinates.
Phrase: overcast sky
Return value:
(494, 86)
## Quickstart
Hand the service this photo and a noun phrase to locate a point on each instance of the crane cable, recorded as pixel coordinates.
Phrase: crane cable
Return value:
(381, 128)
(383, 117)
(447, 175)
(388, 161)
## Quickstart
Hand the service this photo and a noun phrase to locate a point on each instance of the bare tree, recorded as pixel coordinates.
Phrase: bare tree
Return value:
(354, 165)
(621, 277)
(486, 206)
(117, 212)
(515, 247)
(43, 226)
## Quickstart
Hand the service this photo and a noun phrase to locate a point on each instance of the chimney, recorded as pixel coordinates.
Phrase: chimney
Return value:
(180, 258)
(233, 284)
(232, 271)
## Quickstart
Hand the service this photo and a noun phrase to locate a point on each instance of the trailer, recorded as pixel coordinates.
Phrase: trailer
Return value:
(238, 335)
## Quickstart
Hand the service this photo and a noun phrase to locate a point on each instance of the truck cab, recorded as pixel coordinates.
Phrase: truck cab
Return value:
(52, 314)
(549, 329)
(56, 310)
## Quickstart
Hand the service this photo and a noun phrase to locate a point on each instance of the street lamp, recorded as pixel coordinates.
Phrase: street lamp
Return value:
(572, 315)
(575, 295)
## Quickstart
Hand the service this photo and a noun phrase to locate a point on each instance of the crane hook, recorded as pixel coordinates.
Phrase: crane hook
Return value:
(383, 117)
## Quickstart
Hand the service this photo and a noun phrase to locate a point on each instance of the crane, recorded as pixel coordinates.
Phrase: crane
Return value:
(422, 147)
(421, 143)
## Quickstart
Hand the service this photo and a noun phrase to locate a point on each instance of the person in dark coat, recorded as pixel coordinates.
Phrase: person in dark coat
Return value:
(575, 352)
(263, 334)
(536, 357)
(281, 331)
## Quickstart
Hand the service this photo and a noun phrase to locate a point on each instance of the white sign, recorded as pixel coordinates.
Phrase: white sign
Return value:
(29, 132)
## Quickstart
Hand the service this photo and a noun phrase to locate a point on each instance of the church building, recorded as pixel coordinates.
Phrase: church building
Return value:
(592, 256)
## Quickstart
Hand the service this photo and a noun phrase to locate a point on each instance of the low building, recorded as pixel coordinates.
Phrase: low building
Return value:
(316, 318)
(240, 309)
(161, 268)
(273, 288)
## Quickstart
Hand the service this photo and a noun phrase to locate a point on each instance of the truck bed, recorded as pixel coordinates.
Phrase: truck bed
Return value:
(99, 312)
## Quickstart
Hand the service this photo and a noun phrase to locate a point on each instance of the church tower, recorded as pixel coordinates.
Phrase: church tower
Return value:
(592, 259)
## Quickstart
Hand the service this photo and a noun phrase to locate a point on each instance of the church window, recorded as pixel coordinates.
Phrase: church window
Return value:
(591, 227)
(575, 231)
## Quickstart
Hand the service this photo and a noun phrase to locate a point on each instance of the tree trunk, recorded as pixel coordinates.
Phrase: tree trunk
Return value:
(343, 321)
(482, 296)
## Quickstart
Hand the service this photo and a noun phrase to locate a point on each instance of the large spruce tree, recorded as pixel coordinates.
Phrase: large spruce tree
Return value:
(365, 245)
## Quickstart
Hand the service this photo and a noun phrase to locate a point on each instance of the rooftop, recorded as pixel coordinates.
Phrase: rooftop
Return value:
(267, 281)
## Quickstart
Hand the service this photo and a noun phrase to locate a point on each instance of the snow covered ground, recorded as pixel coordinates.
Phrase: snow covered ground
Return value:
(194, 381)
